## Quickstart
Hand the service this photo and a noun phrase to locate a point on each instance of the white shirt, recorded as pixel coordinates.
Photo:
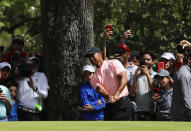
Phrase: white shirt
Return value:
(143, 96)
(130, 71)
(27, 97)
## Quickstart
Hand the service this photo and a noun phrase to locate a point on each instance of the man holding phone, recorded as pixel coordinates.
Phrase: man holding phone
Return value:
(181, 101)
(141, 86)
(183, 49)
(108, 33)
(162, 96)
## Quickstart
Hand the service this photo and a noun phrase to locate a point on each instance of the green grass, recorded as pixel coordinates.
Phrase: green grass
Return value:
(95, 126)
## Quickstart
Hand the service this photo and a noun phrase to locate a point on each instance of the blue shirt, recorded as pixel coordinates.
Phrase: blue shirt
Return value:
(3, 109)
(89, 96)
(12, 116)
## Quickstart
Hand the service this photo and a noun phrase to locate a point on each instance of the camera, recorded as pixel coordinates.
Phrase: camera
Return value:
(16, 59)
(142, 62)
(1, 90)
(179, 49)
(127, 27)
(1, 48)
(25, 69)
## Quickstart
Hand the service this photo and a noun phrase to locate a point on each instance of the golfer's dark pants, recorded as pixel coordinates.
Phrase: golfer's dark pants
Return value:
(119, 111)
(27, 116)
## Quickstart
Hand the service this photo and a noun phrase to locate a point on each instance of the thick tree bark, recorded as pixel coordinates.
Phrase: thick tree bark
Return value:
(67, 33)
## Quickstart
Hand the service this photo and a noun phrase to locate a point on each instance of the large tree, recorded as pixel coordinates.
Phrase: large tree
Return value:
(67, 33)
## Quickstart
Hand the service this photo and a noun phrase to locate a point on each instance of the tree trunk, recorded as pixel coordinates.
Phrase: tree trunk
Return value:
(67, 33)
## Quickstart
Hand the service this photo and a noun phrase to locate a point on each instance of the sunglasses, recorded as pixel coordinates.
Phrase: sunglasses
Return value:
(147, 59)
(11, 90)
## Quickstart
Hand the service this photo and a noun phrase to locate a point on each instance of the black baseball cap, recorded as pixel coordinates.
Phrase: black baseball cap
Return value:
(92, 51)
(18, 39)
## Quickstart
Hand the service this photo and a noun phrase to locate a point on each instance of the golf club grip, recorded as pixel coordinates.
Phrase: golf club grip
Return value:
(102, 103)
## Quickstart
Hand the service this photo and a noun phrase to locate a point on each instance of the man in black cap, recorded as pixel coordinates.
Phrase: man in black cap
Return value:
(32, 90)
(110, 80)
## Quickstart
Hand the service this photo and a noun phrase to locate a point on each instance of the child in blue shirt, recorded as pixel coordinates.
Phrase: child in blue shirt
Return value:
(162, 98)
(12, 115)
(91, 101)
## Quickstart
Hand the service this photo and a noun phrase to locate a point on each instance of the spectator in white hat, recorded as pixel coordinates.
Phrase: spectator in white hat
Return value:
(5, 72)
(5, 101)
(169, 62)
(91, 101)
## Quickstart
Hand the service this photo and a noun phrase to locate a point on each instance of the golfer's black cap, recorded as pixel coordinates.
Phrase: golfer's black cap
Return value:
(92, 51)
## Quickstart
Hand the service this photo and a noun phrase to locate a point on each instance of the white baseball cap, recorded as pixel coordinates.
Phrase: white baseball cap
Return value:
(168, 56)
(88, 68)
(5, 64)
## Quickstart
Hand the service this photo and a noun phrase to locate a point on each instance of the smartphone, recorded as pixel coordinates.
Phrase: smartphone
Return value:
(160, 66)
(179, 49)
(127, 27)
(156, 90)
(108, 28)
(178, 65)
(141, 62)
(1, 48)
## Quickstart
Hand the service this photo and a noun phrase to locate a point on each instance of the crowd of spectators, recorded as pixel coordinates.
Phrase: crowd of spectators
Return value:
(22, 87)
(123, 87)
(133, 89)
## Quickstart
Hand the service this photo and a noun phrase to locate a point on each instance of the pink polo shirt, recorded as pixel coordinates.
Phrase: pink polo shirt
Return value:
(106, 76)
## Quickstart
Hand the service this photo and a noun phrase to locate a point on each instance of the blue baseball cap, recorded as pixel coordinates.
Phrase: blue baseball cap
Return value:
(163, 73)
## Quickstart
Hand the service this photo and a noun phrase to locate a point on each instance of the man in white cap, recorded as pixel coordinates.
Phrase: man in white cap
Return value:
(91, 101)
(169, 62)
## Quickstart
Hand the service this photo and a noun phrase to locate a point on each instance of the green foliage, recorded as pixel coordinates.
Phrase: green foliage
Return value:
(156, 25)
(20, 17)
